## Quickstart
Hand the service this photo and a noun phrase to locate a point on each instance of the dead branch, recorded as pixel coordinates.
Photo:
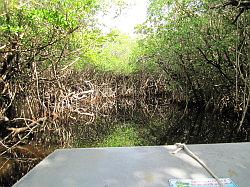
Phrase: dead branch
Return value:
(24, 137)
(16, 131)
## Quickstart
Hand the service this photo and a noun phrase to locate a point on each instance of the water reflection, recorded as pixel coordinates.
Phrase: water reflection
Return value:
(22, 159)
(156, 120)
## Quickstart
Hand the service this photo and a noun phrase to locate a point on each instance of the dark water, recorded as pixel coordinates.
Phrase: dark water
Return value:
(156, 121)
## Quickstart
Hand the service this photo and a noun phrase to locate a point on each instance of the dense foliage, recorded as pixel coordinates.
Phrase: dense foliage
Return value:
(204, 53)
(65, 82)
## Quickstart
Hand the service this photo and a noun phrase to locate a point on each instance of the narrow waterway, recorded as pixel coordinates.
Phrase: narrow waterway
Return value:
(124, 122)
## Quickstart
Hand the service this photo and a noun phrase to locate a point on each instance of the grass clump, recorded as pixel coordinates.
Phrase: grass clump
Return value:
(122, 137)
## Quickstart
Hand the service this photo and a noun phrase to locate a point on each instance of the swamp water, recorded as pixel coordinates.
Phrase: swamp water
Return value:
(127, 122)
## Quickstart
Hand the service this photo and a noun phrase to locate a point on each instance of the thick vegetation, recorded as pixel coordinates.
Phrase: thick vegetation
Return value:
(65, 82)
(204, 49)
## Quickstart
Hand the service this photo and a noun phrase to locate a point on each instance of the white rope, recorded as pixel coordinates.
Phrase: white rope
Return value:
(183, 147)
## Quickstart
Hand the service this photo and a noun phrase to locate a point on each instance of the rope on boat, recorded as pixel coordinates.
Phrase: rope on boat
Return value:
(183, 147)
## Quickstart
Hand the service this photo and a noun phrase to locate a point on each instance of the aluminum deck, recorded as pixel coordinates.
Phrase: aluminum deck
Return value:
(138, 166)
